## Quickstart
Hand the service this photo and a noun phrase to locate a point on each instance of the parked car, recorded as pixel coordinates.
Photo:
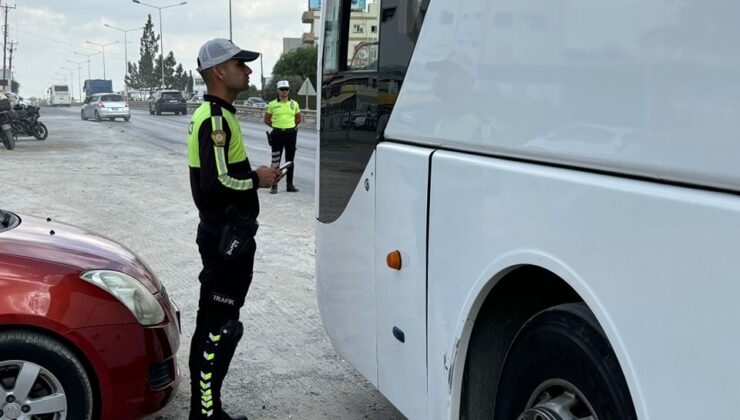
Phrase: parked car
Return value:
(15, 99)
(87, 331)
(256, 102)
(167, 101)
(105, 105)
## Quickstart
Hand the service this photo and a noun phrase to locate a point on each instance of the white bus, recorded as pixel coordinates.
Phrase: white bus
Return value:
(529, 210)
(59, 95)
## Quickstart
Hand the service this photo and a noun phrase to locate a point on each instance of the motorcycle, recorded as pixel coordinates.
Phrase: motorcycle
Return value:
(26, 122)
(6, 127)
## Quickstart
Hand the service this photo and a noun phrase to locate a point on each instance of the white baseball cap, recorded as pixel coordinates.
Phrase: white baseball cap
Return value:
(220, 50)
(283, 84)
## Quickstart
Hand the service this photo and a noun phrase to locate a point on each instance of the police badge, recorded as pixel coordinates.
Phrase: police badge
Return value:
(219, 138)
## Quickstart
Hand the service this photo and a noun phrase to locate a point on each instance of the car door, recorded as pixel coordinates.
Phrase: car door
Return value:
(86, 107)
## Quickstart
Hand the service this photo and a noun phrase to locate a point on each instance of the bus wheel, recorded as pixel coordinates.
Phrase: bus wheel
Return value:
(561, 367)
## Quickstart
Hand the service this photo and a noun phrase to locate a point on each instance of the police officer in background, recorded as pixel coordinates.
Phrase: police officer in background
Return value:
(283, 115)
(224, 189)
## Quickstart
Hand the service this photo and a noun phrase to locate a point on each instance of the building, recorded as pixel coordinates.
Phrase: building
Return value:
(290, 44)
(313, 18)
(363, 29)
(199, 86)
(364, 26)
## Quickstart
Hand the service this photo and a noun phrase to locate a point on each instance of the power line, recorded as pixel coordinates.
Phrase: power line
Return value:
(75, 46)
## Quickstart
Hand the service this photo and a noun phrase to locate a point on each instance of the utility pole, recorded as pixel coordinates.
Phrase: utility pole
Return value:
(5, 42)
(262, 78)
(10, 64)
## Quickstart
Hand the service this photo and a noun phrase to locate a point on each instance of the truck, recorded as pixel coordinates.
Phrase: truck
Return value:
(93, 86)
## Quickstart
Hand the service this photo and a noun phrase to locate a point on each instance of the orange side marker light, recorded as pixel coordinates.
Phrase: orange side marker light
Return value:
(394, 260)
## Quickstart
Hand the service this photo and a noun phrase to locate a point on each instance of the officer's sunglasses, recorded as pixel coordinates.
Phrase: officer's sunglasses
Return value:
(285, 89)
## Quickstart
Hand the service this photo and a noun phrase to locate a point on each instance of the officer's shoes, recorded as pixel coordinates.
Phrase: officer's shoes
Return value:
(225, 416)
(291, 188)
(273, 190)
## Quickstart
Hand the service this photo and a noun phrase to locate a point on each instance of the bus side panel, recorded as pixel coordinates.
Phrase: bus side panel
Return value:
(656, 264)
(345, 273)
(401, 203)
(647, 88)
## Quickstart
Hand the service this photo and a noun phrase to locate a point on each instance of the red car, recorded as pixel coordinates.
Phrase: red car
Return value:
(86, 330)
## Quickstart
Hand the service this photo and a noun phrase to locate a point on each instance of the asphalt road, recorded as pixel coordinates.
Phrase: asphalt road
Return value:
(129, 181)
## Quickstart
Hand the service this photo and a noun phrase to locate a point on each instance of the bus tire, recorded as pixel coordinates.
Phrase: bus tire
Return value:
(561, 361)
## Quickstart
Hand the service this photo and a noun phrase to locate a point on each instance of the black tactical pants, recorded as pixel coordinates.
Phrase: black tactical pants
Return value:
(224, 286)
(284, 139)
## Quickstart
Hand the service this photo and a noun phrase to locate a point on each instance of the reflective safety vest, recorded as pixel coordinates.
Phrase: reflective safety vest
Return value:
(219, 167)
(283, 113)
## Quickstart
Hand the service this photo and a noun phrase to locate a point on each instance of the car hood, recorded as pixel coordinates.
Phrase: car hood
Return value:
(47, 240)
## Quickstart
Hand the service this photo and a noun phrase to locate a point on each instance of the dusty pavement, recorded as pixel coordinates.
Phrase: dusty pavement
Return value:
(129, 182)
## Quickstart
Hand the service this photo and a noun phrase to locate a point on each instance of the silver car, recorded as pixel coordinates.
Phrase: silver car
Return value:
(105, 105)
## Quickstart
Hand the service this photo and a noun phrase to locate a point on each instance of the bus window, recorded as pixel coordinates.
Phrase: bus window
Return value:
(362, 40)
(332, 35)
(367, 49)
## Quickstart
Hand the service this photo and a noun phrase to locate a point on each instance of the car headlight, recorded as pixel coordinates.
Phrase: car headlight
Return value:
(137, 298)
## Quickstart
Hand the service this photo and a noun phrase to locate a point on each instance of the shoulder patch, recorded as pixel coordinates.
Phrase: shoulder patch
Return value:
(219, 138)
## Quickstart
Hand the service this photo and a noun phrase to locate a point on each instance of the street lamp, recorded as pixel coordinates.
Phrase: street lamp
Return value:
(125, 52)
(103, 47)
(161, 40)
(79, 74)
(88, 61)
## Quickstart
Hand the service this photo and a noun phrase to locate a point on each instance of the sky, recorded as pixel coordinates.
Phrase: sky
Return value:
(49, 33)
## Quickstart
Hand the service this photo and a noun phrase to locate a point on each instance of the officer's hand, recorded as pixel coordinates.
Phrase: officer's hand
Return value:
(268, 176)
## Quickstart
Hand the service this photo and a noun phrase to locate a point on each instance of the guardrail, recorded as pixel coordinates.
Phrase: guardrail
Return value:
(246, 112)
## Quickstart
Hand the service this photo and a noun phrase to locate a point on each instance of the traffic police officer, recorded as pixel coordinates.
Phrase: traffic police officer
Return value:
(283, 115)
(224, 189)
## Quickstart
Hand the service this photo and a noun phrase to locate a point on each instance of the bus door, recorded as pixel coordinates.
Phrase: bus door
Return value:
(367, 46)
(400, 287)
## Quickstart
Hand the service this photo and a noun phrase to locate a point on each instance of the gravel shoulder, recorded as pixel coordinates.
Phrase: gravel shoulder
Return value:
(129, 182)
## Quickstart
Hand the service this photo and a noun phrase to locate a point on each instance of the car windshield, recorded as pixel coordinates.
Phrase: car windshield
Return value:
(171, 95)
(112, 98)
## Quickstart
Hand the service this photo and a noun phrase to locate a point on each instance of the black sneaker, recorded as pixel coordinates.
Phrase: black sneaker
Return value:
(273, 190)
(291, 188)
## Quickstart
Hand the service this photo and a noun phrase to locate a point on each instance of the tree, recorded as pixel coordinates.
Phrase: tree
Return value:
(142, 76)
(299, 62)
(174, 75)
(270, 92)
(253, 91)
(14, 86)
(190, 83)
(181, 79)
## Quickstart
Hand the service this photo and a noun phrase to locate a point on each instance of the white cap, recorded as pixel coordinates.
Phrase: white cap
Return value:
(220, 50)
(283, 84)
